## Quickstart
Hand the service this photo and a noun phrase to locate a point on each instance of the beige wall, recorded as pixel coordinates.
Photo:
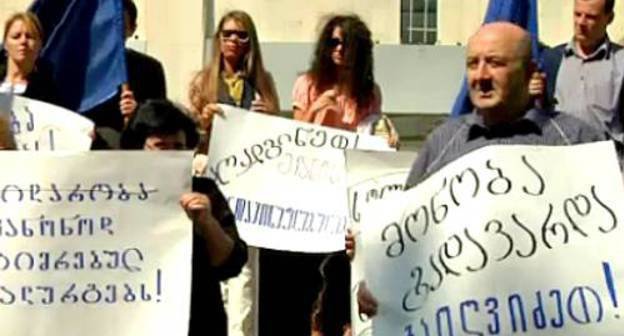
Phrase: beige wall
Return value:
(456, 25)
(173, 32)
(298, 21)
(292, 21)
(8, 7)
(555, 20)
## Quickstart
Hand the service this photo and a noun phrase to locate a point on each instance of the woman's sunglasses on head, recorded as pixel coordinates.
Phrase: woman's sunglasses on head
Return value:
(241, 35)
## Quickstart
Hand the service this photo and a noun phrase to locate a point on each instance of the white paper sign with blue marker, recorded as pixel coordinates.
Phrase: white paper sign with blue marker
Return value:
(506, 240)
(371, 176)
(94, 244)
(40, 126)
(285, 180)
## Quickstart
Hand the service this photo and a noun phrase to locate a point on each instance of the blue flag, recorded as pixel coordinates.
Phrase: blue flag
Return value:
(84, 48)
(521, 12)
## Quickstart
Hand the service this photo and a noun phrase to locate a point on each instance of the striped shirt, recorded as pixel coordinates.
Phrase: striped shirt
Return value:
(591, 88)
(460, 136)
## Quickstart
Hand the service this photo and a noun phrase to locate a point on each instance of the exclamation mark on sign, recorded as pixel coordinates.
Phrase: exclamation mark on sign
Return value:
(158, 284)
(52, 139)
(606, 267)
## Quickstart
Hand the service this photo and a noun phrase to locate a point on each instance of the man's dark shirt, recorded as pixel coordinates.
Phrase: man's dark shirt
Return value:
(146, 76)
(146, 79)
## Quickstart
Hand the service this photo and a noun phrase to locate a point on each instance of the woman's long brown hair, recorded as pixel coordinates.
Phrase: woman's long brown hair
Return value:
(205, 86)
(356, 80)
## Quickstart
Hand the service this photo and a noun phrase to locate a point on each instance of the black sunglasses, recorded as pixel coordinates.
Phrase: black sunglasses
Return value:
(241, 35)
(334, 42)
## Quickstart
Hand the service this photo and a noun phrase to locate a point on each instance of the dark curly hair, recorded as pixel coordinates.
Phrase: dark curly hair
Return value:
(357, 79)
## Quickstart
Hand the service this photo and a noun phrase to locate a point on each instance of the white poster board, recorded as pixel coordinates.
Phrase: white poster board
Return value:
(284, 179)
(371, 176)
(506, 240)
(94, 244)
(40, 126)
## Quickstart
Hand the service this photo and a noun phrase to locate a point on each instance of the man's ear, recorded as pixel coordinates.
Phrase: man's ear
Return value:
(611, 17)
(130, 26)
(131, 29)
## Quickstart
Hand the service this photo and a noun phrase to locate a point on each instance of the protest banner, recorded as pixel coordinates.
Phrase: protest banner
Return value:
(284, 179)
(505, 240)
(94, 244)
(371, 176)
(40, 126)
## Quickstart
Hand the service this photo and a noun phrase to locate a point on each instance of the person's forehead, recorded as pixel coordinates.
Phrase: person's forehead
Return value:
(168, 136)
(491, 44)
(18, 24)
(22, 25)
(232, 23)
(179, 137)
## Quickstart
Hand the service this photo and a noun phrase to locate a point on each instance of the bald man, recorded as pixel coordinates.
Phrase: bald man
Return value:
(498, 69)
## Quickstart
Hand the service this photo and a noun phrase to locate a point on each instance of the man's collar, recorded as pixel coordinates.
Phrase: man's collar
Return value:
(535, 115)
(603, 50)
(530, 123)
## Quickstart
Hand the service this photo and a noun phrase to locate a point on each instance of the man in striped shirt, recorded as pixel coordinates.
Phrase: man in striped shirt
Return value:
(585, 76)
(498, 69)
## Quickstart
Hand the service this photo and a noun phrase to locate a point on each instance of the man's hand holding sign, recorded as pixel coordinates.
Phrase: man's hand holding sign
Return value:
(484, 242)
(500, 241)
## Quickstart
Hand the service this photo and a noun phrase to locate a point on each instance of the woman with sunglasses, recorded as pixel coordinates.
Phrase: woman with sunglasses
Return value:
(235, 75)
(339, 89)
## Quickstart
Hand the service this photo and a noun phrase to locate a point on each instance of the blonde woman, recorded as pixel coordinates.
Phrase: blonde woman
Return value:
(235, 74)
(21, 74)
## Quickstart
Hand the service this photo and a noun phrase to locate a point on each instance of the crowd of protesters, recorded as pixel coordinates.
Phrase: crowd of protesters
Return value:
(575, 97)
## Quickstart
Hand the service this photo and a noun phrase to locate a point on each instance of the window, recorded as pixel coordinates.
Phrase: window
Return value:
(419, 21)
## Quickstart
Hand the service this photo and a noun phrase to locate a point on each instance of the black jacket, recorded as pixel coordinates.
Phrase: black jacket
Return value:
(207, 313)
(41, 85)
(146, 79)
